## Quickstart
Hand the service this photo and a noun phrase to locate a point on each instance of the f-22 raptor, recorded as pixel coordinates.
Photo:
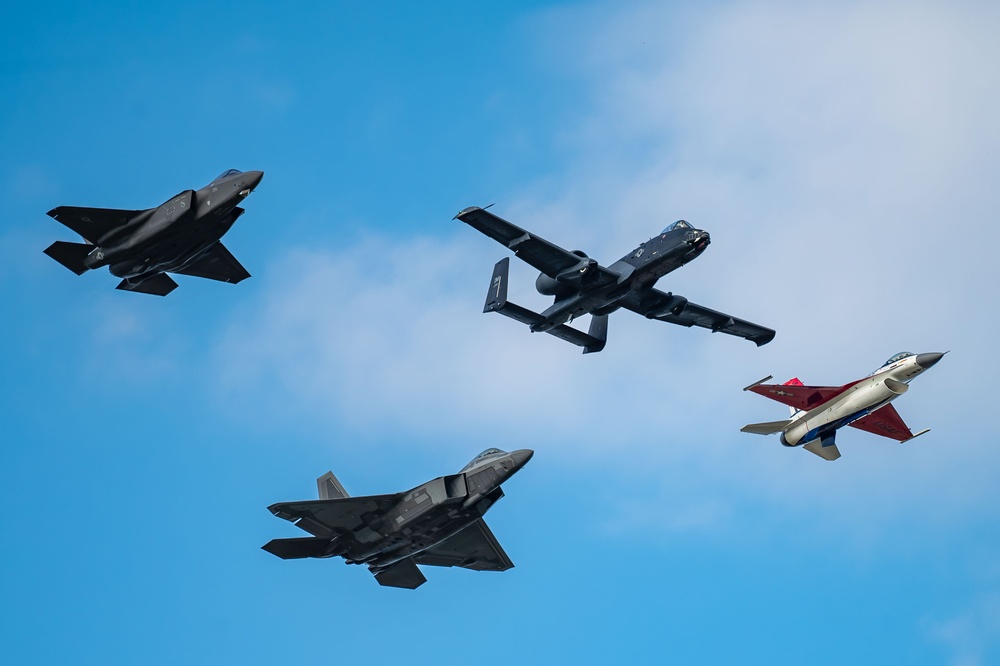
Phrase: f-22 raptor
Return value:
(582, 286)
(179, 236)
(438, 523)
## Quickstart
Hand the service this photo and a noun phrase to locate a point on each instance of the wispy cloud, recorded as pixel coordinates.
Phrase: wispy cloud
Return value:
(836, 154)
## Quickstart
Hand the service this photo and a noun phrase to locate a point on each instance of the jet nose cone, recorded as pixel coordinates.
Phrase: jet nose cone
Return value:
(254, 178)
(927, 360)
(521, 457)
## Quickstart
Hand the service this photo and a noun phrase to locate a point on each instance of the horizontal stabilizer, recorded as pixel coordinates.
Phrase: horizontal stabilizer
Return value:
(70, 255)
(830, 452)
(768, 428)
(157, 285)
(404, 573)
(298, 548)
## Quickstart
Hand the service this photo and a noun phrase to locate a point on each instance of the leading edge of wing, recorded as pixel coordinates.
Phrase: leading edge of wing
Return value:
(326, 517)
(93, 223)
(800, 396)
(547, 257)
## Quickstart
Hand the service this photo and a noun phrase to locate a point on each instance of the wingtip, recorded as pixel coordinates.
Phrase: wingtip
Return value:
(760, 341)
(466, 211)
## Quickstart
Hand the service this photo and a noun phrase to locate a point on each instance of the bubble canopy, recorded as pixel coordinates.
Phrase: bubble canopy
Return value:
(679, 224)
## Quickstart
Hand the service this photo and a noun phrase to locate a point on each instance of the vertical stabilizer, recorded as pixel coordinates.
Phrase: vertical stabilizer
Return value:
(330, 487)
(794, 381)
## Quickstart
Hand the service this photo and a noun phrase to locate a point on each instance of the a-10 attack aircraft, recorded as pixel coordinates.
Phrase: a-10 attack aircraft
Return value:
(439, 523)
(819, 411)
(582, 286)
(179, 236)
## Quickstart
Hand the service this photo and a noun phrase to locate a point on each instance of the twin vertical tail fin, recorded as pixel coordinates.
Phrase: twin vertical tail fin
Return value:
(330, 487)
(496, 301)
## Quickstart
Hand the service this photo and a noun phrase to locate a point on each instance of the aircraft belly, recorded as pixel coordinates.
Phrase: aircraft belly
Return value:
(418, 537)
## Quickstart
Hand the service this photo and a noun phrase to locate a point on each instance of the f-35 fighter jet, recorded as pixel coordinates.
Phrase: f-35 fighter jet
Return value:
(439, 523)
(142, 246)
(582, 286)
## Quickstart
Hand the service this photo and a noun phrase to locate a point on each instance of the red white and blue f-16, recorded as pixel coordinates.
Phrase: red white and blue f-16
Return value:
(819, 411)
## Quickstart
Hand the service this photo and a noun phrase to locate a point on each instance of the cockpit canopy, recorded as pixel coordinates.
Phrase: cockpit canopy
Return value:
(897, 357)
(485, 454)
(679, 224)
(226, 174)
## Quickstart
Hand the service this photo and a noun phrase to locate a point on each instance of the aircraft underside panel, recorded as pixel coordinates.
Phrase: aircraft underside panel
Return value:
(886, 422)
(218, 263)
(158, 285)
(474, 547)
(405, 574)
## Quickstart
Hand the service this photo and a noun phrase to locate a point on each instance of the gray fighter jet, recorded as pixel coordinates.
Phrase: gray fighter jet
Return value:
(582, 286)
(439, 523)
(142, 246)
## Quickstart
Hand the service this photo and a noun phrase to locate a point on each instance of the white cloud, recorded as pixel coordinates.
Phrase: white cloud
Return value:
(972, 635)
(840, 156)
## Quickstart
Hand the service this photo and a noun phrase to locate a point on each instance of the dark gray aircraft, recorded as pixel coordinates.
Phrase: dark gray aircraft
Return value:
(439, 523)
(582, 286)
(142, 246)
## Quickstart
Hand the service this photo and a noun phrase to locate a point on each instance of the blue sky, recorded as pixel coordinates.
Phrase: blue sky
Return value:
(843, 157)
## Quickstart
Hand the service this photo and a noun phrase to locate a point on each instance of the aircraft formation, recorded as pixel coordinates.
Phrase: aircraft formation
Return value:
(440, 522)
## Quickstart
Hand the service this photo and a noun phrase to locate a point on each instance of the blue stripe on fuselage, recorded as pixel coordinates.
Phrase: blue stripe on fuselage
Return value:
(818, 433)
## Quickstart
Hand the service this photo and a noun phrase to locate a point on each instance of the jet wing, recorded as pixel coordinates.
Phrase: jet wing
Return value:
(474, 547)
(535, 250)
(692, 314)
(331, 516)
(800, 396)
(886, 422)
(93, 223)
(217, 263)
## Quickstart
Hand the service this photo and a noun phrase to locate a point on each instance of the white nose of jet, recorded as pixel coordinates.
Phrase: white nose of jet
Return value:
(925, 361)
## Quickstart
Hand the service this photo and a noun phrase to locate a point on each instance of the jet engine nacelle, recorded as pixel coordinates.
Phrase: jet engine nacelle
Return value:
(568, 280)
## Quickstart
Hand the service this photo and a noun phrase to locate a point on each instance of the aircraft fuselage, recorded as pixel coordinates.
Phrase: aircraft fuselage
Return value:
(430, 513)
(176, 233)
(864, 397)
(638, 272)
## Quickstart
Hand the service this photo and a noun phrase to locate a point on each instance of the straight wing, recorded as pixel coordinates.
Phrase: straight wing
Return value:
(692, 314)
(93, 223)
(331, 516)
(535, 250)
(886, 422)
(474, 547)
(217, 263)
(800, 396)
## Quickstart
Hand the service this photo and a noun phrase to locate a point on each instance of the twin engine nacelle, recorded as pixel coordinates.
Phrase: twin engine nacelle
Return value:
(569, 280)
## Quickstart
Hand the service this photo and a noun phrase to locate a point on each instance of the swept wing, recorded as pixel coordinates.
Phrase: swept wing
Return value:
(331, 516)
(800, 396)
(474, 547)
(93, 223)
(217, 263)
(886, 422)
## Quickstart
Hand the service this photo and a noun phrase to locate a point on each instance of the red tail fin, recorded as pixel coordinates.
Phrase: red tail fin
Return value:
(794, 381)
